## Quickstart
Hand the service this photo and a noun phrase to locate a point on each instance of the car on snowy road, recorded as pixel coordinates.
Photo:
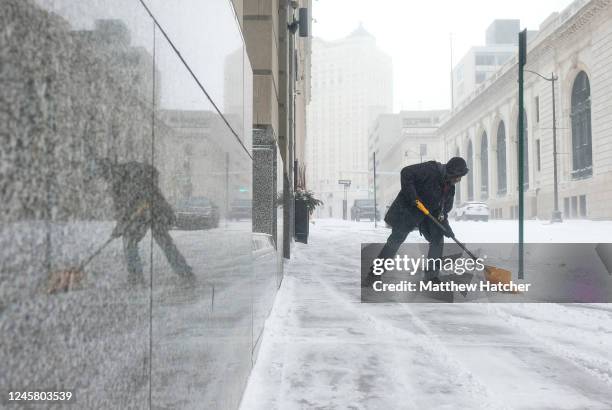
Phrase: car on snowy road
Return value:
(197, 212)
(240, 209)
(475, 211)
(364, 209)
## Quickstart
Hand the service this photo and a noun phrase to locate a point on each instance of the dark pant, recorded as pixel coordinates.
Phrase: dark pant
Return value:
(133, 236)
(432, 233)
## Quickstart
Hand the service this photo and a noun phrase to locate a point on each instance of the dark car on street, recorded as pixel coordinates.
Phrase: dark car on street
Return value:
(240, 209)
(197, 212)
(364, 209)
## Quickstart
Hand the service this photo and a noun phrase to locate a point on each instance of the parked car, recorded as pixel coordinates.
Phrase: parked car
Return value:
(197, 212)
(240, 209)
(364, 208)
(476, 211)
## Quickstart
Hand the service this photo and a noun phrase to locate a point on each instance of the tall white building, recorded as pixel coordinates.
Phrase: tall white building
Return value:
(352, 83)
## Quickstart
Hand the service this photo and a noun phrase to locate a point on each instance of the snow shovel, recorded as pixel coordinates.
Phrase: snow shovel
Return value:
(492, 274)
(70, 279)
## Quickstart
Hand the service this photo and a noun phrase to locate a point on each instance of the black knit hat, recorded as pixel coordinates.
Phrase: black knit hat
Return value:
(456, 167)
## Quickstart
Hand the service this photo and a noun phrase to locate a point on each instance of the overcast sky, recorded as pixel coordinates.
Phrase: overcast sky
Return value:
(416, 34)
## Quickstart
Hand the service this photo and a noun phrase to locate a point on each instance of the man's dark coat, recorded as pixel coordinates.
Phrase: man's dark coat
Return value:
(425, 182)
(133, 185)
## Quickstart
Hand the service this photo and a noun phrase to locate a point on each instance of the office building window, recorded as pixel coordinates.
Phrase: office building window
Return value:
(470, 175)
(458, 186)
(501, 159)
(582, 156)
(484, 166)
(538, 154)
(583, 205)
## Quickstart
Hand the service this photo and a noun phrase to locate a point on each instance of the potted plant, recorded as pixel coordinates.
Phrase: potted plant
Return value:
(305, 204)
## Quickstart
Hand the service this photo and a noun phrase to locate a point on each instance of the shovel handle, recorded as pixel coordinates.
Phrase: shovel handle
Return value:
(132, 219)
(424, 209)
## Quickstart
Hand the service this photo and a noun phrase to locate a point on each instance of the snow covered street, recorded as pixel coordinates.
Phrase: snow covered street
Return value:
(323, 348)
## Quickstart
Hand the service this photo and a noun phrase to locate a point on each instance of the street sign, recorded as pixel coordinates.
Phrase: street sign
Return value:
(346, 182)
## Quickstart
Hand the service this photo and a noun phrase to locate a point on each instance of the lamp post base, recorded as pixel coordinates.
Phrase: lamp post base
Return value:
(556, 217)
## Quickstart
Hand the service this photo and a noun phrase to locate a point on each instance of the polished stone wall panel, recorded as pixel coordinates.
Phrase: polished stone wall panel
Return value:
(202, 329)
(74, 89)
(97, 79)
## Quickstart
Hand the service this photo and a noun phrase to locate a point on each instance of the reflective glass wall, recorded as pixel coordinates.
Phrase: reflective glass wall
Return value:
(128, 270)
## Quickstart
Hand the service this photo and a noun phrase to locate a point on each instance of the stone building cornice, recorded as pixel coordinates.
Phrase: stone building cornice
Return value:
(504, 80)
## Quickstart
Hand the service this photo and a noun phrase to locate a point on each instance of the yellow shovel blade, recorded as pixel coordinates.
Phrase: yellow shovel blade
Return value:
(497, 275)
(64, 281)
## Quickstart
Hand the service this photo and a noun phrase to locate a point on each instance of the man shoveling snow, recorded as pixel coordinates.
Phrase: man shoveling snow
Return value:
(433, 184)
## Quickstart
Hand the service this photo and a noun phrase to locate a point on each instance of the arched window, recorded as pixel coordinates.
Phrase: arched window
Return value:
(582, 153)
(484, 166)
(470, 165)
(525, 150)
(501, 159)
(458, 186)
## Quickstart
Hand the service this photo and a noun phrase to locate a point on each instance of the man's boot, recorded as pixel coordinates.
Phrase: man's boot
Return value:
(431, 276)
(370, 278)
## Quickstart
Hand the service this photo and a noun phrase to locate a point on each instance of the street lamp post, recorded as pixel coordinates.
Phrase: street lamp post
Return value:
(556, 214)
(346, 183)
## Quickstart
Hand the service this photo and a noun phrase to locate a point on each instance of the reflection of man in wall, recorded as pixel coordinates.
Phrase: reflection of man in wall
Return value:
(140, 205)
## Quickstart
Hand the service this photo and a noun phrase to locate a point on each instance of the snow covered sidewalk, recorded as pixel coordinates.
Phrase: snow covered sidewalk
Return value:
(322, 348)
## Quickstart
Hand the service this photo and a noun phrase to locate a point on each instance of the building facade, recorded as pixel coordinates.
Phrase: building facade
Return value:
(281, 93)
(399, 140)
(574, 45)
(351, 86)
(482, 61)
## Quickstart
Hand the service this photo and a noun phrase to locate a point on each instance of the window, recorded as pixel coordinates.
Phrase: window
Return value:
(582, 156)
(501, 159)
(582, 202)
(458, 186)
(574, 207)
(538, 154)
(480, 77)
(566, 208)
(469, 176)
(537, 109)
(484, 166)
(485, 59)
